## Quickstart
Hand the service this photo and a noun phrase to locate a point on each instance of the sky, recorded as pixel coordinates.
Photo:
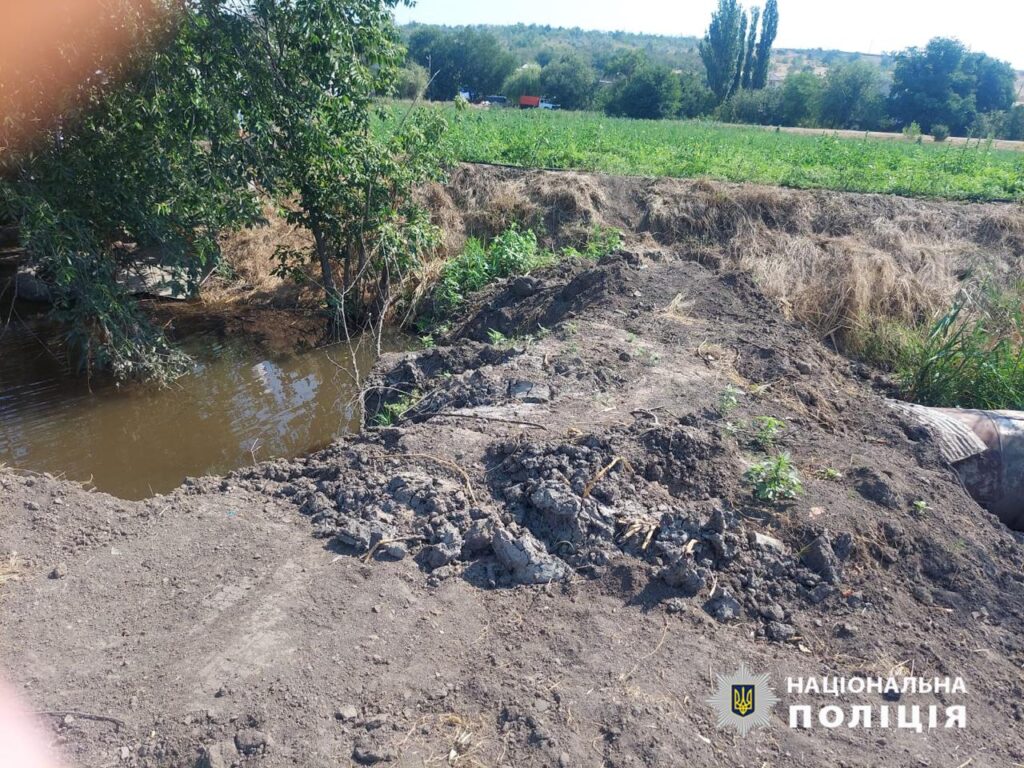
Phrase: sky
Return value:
(868, 26)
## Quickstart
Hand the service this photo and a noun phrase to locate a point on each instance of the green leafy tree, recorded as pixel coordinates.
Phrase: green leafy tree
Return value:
(763, 55)
(314, 69)
(696, 99)
(570, 81)
(742, 37)
(853, 97)
(651, 93)
(412, 81)
(626, 62)
(994, 82)
(141, 158)
(939, 84)
(801, 99)
(525, 81)
(722, 47)
(750, 48)
(760, 107)
(466, 58)
(1013, 124)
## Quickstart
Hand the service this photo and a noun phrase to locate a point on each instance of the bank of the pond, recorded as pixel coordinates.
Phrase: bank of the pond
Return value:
(243, 402)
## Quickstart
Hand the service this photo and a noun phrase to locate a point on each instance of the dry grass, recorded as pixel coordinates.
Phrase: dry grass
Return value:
(844, 264)
(250, 256)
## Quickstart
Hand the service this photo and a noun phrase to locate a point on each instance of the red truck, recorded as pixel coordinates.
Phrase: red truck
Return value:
(529, 102)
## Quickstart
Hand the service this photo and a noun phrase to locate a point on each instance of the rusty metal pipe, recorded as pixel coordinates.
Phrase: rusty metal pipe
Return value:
(995, 476)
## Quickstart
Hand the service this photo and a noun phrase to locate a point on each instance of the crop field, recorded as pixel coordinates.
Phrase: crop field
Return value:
(593, 142)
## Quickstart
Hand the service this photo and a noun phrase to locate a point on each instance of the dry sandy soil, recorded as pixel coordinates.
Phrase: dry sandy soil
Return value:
(471, 585)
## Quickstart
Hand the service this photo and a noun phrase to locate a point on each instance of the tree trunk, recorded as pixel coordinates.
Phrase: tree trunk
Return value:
(334, 308)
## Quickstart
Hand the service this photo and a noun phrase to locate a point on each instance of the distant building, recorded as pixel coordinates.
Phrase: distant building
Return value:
(778, 75)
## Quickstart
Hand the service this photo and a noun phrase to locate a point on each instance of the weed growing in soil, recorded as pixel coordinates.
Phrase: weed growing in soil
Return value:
(392, 413)
(510, 253)
(602, 242)
(775, 479)
(768, 430)
(729, 400)
(831, 474)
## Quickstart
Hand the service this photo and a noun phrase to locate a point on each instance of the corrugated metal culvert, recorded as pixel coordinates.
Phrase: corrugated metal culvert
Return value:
(987, 450)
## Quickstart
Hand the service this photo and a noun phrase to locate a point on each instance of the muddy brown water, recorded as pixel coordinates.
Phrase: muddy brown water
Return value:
(238, 404)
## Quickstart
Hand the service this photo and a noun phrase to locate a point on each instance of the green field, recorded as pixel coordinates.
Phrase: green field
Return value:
(593, 142)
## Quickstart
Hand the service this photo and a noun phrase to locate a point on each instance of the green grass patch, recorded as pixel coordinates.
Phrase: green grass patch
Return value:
(973, 357)
(510, 253)
(513, 252)
(592, 142)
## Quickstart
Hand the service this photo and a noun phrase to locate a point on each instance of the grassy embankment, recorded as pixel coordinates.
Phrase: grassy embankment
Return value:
(971, 356)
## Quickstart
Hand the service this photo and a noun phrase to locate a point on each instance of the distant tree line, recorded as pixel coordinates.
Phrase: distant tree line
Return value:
(728, 75)
(942, 89)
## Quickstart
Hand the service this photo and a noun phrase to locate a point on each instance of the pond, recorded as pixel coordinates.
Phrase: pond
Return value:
(238, 406)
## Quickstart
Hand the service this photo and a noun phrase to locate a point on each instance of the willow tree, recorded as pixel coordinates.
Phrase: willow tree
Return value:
(158, 144)
(315, 69)
(109, 151)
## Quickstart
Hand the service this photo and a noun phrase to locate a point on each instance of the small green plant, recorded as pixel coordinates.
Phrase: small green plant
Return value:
(648, 356)
(733, 428)
(921, 506)
(768, 430)
(497, 338)
(729, 400)
(912, 131)
(427, 340)
(775, 479)
(831, 474)
(601, 242)
(940, 132)
(513, 252)
(393, 412)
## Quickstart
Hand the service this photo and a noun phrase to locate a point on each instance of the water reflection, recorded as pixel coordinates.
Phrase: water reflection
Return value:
(133, 443)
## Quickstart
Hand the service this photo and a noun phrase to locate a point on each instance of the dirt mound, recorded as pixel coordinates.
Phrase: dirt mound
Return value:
(538, 562)
(838, 262)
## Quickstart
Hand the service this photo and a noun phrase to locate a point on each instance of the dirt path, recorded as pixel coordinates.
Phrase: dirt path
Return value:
(480, 592)
(1007, 144)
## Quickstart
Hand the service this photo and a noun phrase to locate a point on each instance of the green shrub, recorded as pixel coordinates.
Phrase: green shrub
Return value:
(768, 430)
(601, 242)
(775, 479)
(912, 131)
(392, 413)
(940, 132)
(510, 253)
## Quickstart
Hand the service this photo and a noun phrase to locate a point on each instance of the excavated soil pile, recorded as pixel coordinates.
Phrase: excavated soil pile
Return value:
(543, 561)
(838, 262)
